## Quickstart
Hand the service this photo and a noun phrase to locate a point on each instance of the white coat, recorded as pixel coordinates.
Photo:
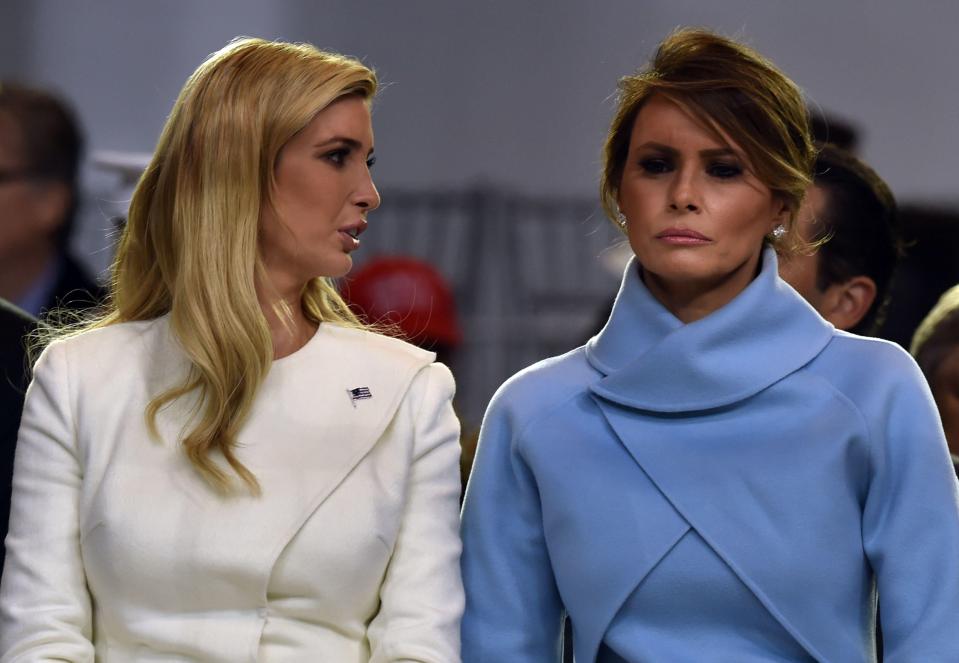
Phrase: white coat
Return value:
(119, 551)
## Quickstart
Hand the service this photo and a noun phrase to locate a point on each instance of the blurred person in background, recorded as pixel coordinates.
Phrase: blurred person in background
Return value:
(718, 475)
(929, 267)
(40, 151)
(828, 128)
(851, 213)
(411, 298)
(936, 349)
(227, 465)
(15, 327)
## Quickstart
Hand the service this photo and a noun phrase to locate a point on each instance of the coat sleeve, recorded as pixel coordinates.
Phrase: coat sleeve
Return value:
(911, 527)
(513, 609)
(45, 608)
(421, 598)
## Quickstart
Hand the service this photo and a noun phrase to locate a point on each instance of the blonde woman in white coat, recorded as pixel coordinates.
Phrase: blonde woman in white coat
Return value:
(227, 466)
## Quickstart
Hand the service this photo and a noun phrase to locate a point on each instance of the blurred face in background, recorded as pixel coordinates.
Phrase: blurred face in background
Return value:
(30, 210)
(322, 195)
(696, 214)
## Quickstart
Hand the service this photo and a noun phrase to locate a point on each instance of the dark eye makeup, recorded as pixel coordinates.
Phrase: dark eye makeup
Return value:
(338, 156)
(655, 165)
(724, 170)
(658, 165)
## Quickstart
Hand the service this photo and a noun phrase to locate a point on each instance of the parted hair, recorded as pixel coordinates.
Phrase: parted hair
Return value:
(190, 245)
(734, 91)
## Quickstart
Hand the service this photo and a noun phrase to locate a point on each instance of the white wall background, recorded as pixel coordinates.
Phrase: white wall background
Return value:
(509, 92)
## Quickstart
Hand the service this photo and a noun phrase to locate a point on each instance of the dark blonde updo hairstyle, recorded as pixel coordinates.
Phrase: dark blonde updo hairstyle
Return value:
(734, 91)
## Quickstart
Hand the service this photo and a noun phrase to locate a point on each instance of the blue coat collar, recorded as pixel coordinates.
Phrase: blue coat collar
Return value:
(652, 361)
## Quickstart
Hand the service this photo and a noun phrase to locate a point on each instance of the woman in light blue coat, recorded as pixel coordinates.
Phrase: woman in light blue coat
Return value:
(718, 475)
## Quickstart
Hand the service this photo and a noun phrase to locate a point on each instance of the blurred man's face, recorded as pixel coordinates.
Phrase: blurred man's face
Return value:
(802, 271)
(24, 212)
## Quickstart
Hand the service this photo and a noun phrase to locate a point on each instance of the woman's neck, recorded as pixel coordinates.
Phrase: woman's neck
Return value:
(289, 327)
(691, 300)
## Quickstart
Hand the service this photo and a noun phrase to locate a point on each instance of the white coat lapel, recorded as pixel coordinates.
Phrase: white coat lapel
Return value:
(319, 414)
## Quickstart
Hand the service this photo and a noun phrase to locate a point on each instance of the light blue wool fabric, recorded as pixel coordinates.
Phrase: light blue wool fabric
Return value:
(810, 462)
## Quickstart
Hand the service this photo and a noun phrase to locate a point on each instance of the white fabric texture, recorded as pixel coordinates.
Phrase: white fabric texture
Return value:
(119, 551)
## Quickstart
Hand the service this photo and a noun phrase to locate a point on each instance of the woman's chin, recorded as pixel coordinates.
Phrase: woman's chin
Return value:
(336, 268)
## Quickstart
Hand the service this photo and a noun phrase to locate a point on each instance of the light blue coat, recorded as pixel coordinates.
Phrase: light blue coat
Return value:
(811, 461)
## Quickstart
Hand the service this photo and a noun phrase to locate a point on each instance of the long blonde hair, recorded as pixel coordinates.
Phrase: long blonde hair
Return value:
(189, 248)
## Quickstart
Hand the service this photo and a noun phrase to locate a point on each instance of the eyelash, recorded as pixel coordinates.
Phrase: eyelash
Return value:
(719, 170)
(338, 157)
(655, 166)
(724, 171)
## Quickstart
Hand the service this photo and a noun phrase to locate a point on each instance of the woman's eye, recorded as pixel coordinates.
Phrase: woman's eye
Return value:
(337, 157)
(724, 170)
(371, 162)
(655, 166)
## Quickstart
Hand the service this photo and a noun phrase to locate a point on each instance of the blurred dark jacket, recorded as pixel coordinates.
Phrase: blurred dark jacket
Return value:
(74, 289)
(14, 377)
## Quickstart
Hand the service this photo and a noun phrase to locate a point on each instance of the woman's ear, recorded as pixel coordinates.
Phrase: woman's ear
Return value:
(782, 212)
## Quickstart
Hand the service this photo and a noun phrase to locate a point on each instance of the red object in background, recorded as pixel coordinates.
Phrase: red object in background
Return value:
(408, 293)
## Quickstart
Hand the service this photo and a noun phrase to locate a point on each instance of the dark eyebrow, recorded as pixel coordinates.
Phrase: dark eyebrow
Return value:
(342, 140)
(672, 151)
(659, 147)
(720, 152)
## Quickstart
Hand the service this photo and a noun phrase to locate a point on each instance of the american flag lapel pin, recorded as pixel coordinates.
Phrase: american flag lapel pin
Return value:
(359, 394)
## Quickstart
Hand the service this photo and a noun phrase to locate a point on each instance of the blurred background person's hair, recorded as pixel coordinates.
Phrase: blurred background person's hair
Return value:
(930, 267)
(40, 150)
(829, 129)
(935, 346)
(850, 209)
